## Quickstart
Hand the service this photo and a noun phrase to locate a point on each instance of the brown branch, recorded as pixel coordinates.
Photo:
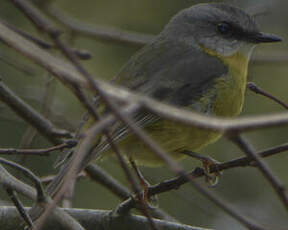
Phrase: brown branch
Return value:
(31, 176)
(81, 54)
(45, 102)
(16, 64)
(19, 206)
(48, 179)
(176, 183)
(263, 167)
(38, 152)
(100, 176)
(91, 220)
(26, 112)
(63, 219)
(256, 89)
(101, 33)
(69, 76)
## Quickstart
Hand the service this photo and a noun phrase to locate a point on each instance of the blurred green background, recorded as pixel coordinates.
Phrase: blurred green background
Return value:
(245, 188)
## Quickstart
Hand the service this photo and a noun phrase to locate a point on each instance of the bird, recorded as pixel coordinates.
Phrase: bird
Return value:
(199, 62)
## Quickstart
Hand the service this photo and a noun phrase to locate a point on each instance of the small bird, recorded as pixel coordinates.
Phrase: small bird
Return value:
(198, 62)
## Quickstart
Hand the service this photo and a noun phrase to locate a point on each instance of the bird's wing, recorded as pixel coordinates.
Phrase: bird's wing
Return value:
(174, 73)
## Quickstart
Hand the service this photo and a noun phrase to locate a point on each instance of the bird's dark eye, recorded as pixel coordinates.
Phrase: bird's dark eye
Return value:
(224, 28)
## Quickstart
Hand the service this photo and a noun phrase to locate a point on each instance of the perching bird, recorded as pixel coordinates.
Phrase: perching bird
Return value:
(199, 62)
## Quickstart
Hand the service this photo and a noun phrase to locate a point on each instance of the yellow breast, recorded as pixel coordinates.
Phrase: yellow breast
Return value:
(230, 89)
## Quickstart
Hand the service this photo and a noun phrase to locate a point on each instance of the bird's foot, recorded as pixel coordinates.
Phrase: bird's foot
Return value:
(151, 201)
(208, 162)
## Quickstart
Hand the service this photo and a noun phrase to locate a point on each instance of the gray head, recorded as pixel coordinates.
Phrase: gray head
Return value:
(219, 27)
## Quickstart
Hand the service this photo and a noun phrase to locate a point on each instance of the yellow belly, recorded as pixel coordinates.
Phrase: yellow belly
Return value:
(174, 137)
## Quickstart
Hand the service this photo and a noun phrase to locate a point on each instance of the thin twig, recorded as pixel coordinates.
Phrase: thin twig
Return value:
(30, 115)
(46, 101)
(31, 176)
(62, 218)
(246, 161)
(81, 54)
(100, 176)
(19, 206)
(175, 183)
(96, 219)
(38, 152)
(256, 89)
(100, 32)
(17, 65)
(263, 167)
(48, 179)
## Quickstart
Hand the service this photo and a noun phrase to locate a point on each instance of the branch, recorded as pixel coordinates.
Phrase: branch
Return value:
(100, 176)
(263, 167)
(91, 220)
(81, 54)
(17, 65)
(30, 115)
(254, 88)
(176, 183)
(95, 173)
(31, 176)
(19, 206)
(7, 180)
(101, 33)
(66, 73)
(38, 152)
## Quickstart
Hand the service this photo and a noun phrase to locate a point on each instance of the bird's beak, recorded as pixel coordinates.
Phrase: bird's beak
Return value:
(264, 38)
